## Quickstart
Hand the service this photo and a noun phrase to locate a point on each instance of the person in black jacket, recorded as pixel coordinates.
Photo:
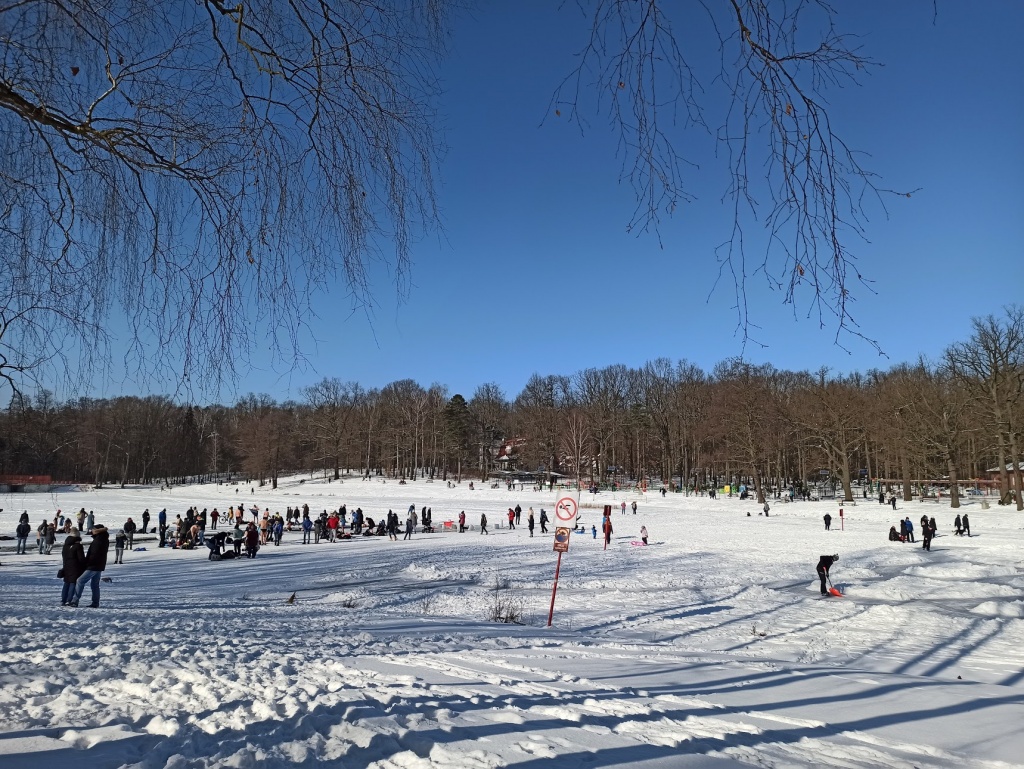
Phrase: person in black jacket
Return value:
(824, 562)
(95, 563)
(22, 532)
(129, 531)
(73, 557)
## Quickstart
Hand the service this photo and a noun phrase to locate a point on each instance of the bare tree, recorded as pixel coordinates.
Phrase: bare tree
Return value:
(833, 413)
(201, 166)
(333, 403)
(490, 414)
(991, 366)
(653, 68)
(748, 409)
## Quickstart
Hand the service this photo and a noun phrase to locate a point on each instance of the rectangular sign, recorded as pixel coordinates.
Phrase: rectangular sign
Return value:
(561, 539)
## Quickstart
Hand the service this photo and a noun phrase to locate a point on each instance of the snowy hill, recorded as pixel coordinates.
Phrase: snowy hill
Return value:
(709, 648)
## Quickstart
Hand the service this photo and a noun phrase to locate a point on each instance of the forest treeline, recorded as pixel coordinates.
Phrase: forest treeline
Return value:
(953, 418)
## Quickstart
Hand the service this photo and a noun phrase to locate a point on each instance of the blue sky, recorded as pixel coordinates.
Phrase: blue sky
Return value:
(535, 271)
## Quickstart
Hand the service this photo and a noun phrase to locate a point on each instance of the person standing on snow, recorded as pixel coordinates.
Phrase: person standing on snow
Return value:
(462, 522)
(119, 541)
(410, 523)
(634, 507)
(22, 532)
(95, 563)
(529, 521)
(519, 514)
(238, 537)
(926, 537)
(643, 534)
(129, 532)
(828, 520)
(73, 559)
(511, 518)
(252, 540)
(824, 563)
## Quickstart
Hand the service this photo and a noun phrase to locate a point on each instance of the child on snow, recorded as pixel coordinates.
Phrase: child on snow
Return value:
(119, 542)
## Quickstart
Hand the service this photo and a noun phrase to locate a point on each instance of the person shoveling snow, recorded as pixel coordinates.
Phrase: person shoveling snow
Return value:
(824, 562)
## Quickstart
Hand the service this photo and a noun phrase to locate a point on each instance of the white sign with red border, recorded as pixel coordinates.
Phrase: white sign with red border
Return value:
(565, 509)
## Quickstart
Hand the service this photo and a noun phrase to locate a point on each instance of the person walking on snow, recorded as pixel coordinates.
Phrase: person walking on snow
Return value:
(967, 525)
(957, 525)
(511, 518)
(543, 521)
(824, 563)
(483, 523)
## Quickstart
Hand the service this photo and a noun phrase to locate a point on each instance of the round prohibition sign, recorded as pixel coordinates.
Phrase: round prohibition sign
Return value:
(565, 509)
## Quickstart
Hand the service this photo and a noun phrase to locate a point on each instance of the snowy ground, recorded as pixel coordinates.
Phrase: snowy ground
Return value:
(709, 648)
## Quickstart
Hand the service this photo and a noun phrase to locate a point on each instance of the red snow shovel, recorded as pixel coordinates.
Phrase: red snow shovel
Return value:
(832, 589)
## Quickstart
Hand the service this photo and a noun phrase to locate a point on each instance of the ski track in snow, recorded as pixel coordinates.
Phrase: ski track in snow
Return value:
(709, 648)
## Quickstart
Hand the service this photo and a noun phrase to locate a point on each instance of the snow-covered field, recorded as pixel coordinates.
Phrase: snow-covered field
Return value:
(710, 648)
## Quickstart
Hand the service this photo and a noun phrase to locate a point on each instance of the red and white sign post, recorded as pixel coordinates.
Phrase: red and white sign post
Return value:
(565, 512)
(842, 522)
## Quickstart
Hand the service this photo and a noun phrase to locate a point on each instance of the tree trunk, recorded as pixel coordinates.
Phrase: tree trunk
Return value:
(1004, 480)
(1018, 492)
(845, 474)
(954, 485)
(908, 487)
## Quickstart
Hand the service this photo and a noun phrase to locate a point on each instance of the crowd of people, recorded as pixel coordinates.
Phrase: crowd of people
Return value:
(929, 529)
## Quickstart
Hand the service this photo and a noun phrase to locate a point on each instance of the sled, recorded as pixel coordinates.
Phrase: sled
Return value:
(835, 592)
(638, 543)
